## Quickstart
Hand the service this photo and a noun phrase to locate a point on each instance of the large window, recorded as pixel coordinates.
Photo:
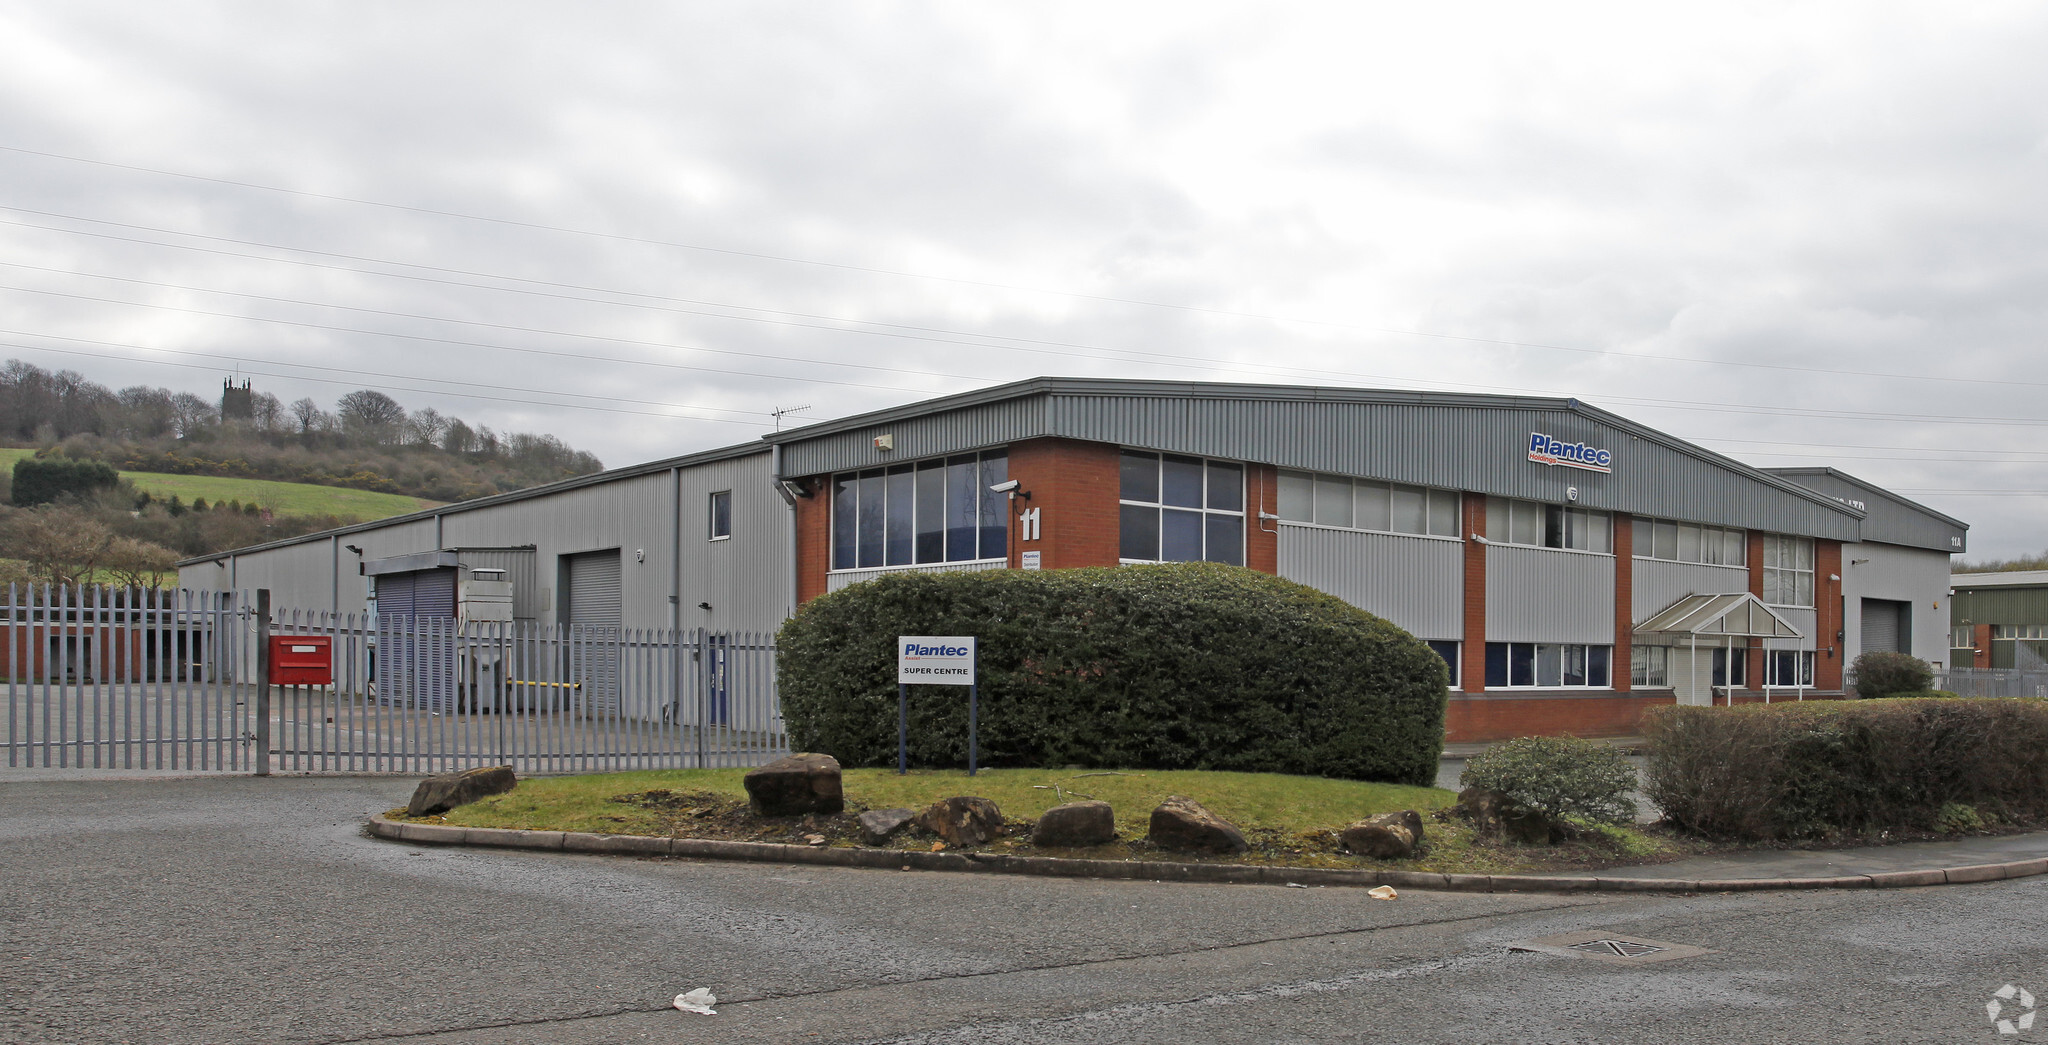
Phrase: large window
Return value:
(1649, 667)
(1731, 666)
(930, 511)
(1448, 650)
(1540, 525)
(1546, 665)
(1181, 509)
(1363, 504)
(1689, 542)
(1788, 571)
(1788, 667)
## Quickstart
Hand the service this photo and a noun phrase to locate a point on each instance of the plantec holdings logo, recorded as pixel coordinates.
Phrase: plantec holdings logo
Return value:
(935, 659)
(1545, 450)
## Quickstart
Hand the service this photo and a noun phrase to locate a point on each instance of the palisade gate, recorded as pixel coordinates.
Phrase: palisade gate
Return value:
(107, 678)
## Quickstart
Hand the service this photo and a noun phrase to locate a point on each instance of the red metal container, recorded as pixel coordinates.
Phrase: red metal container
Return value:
(301, 660)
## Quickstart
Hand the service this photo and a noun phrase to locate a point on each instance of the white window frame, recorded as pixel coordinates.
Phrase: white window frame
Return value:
(1649, 667)
(1160, 507)
(1514, 518)
(1651, 536)
(1788, 561)
(1564, 653)
(1319, 486)
(712, 523)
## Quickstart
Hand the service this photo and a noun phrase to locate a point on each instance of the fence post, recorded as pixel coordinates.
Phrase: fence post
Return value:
(263, 682)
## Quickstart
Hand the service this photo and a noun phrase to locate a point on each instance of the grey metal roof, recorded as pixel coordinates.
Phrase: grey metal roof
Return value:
(1888, 517)
(2001, 579)
(629, 471)
(1453, 440)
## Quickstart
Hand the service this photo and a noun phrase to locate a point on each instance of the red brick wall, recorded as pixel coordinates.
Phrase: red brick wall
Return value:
(1482, 718)
(1474, 508)
(1074, 484)
(1624, 600)
(813, 538)
(1755, 551)
(1827, 613)
(1261, 539)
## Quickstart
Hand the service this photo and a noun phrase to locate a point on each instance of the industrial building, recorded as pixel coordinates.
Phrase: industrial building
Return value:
(1999, 620)
(1572, 567)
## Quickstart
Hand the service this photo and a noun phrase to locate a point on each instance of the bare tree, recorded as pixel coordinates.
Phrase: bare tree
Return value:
(371, 416)
(425, 426)
(190, 414)
(60, 545)
(269, 413)
(139, 564)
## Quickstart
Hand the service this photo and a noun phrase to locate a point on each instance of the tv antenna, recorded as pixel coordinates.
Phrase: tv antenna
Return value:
(781, 410)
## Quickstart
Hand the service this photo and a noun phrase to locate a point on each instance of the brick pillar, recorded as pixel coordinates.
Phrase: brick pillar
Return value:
(1474, 519)
(1755, 551)
(1827, 615)
(1074, 485)
(1624, 600)
(813, 538)
(1261, 538)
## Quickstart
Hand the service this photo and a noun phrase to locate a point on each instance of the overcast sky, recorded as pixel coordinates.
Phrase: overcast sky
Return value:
(1795, 233)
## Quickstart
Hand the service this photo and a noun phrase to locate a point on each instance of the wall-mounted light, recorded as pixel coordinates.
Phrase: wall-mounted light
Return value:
(792, 491)
(639, 555)
(703, 605)
(353, 548)
(1476, 539)
(1858, 562)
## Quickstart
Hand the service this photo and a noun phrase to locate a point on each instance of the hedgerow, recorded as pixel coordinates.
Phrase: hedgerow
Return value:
(1830, 767)
(1180, 666)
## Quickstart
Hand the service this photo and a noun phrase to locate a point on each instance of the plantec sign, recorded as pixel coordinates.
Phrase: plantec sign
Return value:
(935, 660)
(1545, 450)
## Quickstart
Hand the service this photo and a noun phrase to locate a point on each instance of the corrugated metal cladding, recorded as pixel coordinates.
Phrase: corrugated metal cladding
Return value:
(1543, 595)
(1415, 582)
(1998, 605)
(1887, 519)
(838, 579)
(1459, 446)
(522, 568)
(746, 578)
(420, 593)
(1655, 584)
(1805, 620)
(970, 428)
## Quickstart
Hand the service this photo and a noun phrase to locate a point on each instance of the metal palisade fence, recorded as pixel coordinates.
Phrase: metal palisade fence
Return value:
(125, 678)
(431, 694)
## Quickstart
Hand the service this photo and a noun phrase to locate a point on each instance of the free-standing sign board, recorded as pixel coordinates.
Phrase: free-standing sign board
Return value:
(934, 660)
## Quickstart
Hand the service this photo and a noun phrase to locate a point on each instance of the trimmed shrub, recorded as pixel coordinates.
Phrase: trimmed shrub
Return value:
(1176, 666)
(42, 480)
(1828, 767)
(1559, 777)
(1886, 674)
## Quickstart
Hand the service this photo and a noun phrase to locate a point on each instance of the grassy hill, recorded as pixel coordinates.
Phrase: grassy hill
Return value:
(281, 498)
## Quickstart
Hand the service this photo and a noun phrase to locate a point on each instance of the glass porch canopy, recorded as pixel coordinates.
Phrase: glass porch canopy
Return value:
(1741, 615)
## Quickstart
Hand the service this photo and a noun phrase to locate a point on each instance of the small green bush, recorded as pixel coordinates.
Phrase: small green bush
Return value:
(1958, 818)
(42, 480)
(1887, 674)
(1826, 767)
(1560, 777)
(1180, 666)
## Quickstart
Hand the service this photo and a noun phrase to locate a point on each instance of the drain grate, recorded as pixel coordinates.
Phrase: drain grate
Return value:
(1609, 947)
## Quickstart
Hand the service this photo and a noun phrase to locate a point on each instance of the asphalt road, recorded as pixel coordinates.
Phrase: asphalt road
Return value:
(241, 910)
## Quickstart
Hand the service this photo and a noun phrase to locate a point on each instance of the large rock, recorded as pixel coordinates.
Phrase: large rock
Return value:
(439, 794)
(1074, 825)
(796, 785)
(877, 826)
(1388, 836)
(962, 821)
(1181, 823)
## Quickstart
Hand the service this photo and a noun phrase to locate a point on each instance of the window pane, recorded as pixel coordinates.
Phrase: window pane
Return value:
(1771, 594)
(1521, 664)
(1138, 477)
(1528, 524)
(1574, 665)
(1180, 482)
(1410, 516)
(1297, 495)
(1374, 506)
(845, 520)
(995, 507)
(871, 506)
(1667, 540)
(963, 508)
(1496, 663)
(1333, 500)
(1180, 536)
(902, 501)
(1225, 538)
(1688, 543)
(1599, 532)
(1443, 513)
(1773, 549)
(1805, 552)
(1597, 666)
(1497, 519)
(1138, 533)
(1226, 486)
(1549, 664)
(1448, 650)
(1554, 534)
(1734, 548)
(1805, 593)
(1641, 541)
(931, 511)
(721, 514)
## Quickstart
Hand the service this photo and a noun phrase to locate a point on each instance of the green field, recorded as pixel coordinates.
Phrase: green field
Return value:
(281, 498)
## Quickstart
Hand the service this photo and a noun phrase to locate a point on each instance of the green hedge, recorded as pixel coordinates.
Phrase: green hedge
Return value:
(41, 480)
(1181, 666)
(1826, 767)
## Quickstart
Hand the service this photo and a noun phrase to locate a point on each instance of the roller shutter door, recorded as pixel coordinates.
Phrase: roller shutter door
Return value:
(1881, 626)
(416, 622)
(595, 613)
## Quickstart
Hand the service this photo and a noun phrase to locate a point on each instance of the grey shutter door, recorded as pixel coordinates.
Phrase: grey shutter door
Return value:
(1880, 626)
(415, 613)
(595, 616)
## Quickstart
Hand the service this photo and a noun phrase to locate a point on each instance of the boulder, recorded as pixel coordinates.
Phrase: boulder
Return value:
(1181, 823)
(439, 794)
(1074, 825)
(1388, 836)
(962, 821)
(877, 826)
(796, 785)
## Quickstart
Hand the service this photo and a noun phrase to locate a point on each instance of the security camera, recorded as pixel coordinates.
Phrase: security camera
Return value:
(1004, 487)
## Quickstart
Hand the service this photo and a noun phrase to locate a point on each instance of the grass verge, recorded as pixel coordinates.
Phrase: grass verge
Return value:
(1289, 821)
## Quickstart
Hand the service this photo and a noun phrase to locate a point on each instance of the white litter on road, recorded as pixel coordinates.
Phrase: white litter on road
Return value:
(1385, 892)
(700, 1000)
